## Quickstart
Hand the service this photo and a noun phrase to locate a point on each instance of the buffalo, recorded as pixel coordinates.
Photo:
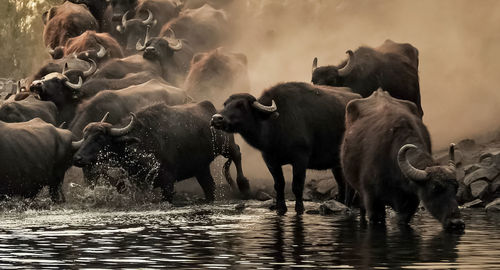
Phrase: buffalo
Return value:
(66, 21)
(215, 74)
(204, 28)
(100, 9)
(62, 89)
(34, 154)
(13, 110)
(166, 57)
(392, 67)
(179, 137)
(120, 103)
(386, 157)
(148, 13)
(98, 46)
(291, 123)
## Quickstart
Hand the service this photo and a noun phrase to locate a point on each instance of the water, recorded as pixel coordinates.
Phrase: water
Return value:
(223, 236)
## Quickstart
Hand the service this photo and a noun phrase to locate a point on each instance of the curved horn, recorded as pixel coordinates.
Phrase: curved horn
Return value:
(451, 153)
(150, 18)
(51, 51)
(124, 22)
(172, 33)
(348, 66)
(93, 68)
(315, 64)
(76, 145)
(406, 168)
(138, 45)
(105, 117)
(124, 130)
(264, 108)
(102, 51)
(174, 46)
(72, 85)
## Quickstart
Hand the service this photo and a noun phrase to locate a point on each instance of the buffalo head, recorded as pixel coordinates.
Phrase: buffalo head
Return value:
(98, 136)
(133, 30)
(332, 75)
(436, 187)
(160, 47)
(121, 6)
(61, 87)
(242, 112)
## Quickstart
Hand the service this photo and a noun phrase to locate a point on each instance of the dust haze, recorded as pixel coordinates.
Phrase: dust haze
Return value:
(457, 41)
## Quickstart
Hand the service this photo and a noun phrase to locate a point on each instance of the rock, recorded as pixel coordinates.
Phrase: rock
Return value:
(467, 144)
(486, 161)
(463, 193)
(479, 188)
(474, 204)
(313, 212)
(486, 173)
(325, 186)
(262, 196)
(240, 207)
(495, 185)
(332, 207)
(471, 168)
(493, 206)
(494, 156)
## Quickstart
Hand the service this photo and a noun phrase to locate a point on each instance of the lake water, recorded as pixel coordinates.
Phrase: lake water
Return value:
(225, 236)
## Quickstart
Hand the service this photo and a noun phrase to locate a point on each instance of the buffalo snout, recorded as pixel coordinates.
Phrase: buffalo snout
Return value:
(217, 121)
(455, 224)
(79, 161)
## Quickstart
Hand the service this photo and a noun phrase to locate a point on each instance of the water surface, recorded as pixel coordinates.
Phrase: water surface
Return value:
(223, 236)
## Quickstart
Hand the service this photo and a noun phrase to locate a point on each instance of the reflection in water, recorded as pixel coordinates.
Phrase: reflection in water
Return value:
(217, 236)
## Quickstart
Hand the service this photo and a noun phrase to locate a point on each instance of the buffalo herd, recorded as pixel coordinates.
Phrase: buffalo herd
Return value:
(141, 76)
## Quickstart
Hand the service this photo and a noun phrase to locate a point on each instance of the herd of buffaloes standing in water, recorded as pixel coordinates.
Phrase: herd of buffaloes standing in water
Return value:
(140, 74)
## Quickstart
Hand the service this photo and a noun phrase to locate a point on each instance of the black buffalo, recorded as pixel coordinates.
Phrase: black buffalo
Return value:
(99, 9)
(148, 13)
(62, 89)
(392, 67)
(386, 157)
(34, 154)
(166, 57)
(179, 137)
(120, 103)
(291, 123)
(28, 108)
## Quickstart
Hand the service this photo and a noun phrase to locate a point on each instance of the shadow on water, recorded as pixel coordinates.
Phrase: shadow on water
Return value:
(218, 236)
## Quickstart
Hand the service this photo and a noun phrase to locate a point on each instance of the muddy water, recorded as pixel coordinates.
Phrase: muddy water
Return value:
(224, 236)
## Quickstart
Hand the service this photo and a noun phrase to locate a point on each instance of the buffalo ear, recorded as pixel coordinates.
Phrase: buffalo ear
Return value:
(197, 57)
(47, 15)
(352, 112)
(411, 106)
(127, 140)
(242, 57)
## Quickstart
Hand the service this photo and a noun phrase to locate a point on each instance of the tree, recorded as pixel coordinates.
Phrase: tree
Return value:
(21, 44)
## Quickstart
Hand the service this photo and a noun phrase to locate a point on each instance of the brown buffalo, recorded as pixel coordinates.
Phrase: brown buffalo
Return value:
(64, 22)
(217, 74)
(386, 156)
(204, 28)
(99, 46)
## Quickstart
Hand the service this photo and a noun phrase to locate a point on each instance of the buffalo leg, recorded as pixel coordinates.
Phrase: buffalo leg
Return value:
(299, 176)
(346, 193)
(406, 209)
(374, 209)
(56, 193)
(279, 185)
(207, 183)
(166, 182)
(241, 180)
